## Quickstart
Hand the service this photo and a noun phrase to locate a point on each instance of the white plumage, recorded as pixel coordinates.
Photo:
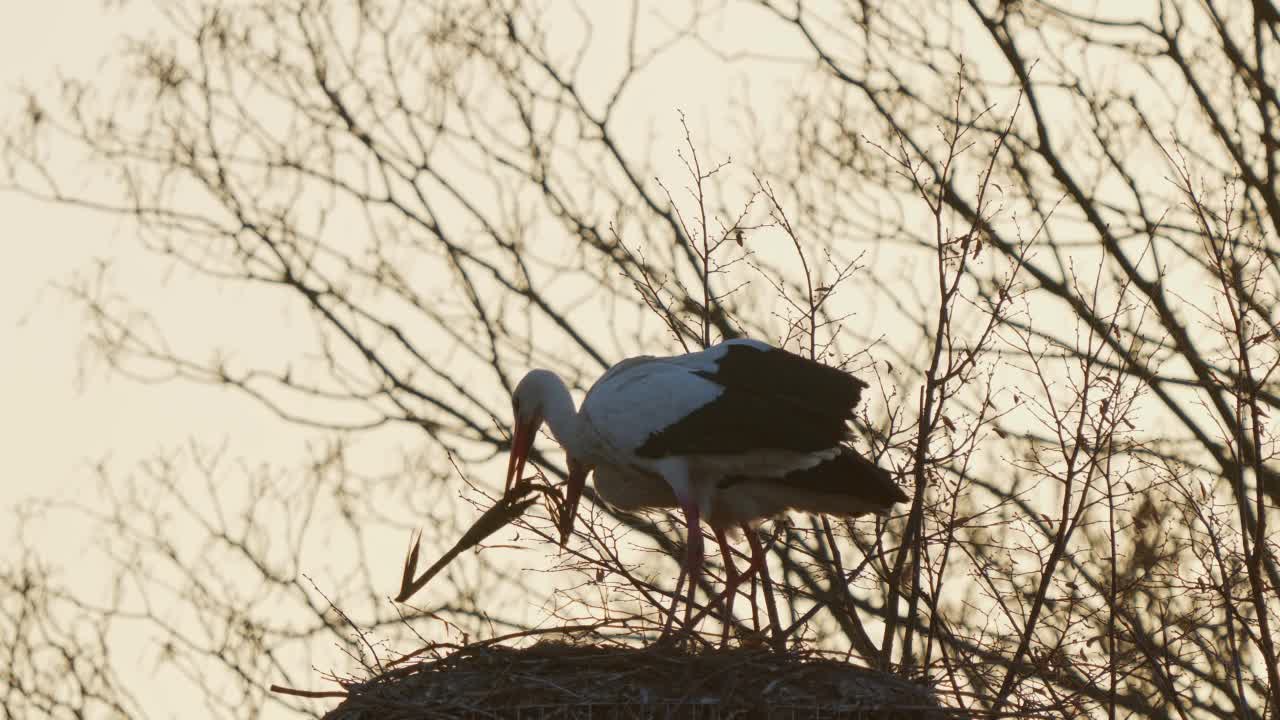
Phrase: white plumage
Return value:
(641, 396)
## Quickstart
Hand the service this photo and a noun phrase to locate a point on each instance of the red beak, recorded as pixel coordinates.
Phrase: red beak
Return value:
(520, 445)
(572, 494)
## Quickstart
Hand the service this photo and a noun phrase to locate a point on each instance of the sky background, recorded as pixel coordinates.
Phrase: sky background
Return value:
(54, 422)
(66, 410)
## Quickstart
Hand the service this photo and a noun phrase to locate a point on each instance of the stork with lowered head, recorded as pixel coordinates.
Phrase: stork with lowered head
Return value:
(736, 433)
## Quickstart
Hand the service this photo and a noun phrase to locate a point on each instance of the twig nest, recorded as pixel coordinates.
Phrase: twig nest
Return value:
(555, 680)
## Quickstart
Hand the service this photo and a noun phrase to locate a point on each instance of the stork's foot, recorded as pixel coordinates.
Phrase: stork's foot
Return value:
(679, 636)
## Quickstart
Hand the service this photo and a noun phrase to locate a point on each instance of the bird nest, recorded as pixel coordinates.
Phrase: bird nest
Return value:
(558, 680)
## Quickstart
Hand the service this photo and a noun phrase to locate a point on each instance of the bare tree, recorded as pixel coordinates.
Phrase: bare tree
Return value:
(1060, 275)
(1144, 160)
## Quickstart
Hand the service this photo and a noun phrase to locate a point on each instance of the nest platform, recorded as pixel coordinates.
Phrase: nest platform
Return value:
(553, 680)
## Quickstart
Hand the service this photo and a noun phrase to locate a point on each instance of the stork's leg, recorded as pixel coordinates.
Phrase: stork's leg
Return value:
(731, 580)
(759, 562)
(755, 609)
(690, 571)
(671, 611)
(753, 568)
(676, 472)
(693, 563)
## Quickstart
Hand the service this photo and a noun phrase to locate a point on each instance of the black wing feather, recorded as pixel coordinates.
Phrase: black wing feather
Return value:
(772, 400)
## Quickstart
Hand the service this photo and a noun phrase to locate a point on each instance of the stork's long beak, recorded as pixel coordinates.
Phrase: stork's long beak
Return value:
(572, 494)
(520, 445)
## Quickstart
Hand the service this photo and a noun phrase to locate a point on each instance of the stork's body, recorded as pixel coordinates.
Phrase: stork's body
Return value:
(732, 434)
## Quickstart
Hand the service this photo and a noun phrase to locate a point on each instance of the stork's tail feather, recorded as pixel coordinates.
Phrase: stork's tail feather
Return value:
(852, 484)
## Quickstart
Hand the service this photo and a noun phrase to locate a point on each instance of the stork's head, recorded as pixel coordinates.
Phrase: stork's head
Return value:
(527, 413)
(539, 396)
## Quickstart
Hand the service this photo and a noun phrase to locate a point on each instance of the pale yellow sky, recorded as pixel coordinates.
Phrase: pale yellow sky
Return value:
(62, 414)
(49, 426)
(56, 419)
(59, 418)
(54, 424)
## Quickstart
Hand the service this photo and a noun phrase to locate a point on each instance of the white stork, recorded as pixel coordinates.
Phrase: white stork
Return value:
(735, 433)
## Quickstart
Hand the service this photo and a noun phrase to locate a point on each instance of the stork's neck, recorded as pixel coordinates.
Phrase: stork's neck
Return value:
(560, 414)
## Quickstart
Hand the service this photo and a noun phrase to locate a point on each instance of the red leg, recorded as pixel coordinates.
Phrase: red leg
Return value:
(676, 473)
(757, 552)
(758, 562)
(693, 563)
(755, 610)
(757, 558)
(731, 580)
(671, 611)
